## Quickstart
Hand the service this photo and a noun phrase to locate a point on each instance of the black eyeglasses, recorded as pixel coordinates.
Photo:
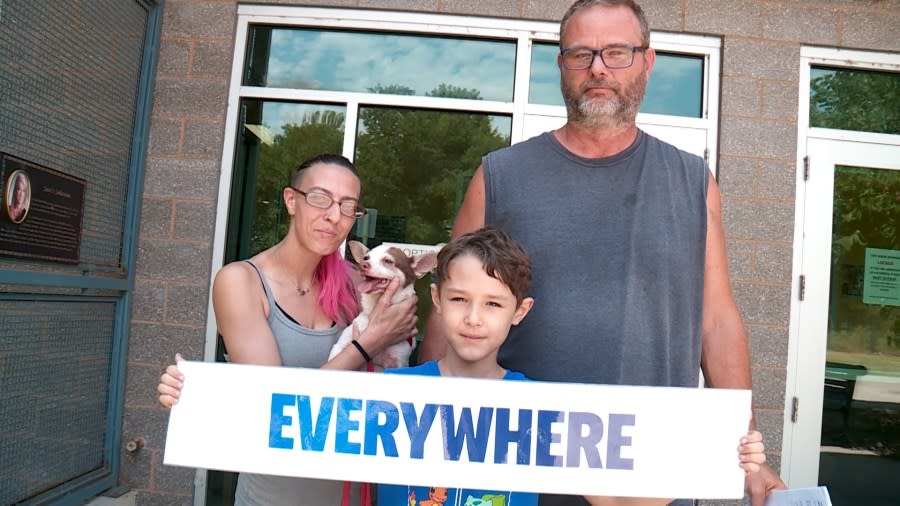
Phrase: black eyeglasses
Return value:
(619, 56)
(349, 208)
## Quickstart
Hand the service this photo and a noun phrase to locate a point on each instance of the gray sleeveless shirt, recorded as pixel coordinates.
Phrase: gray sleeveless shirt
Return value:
(298, 346)
(618, 249)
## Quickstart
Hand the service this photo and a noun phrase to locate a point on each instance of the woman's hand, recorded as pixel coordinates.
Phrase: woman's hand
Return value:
(390, 323)
(170, 384)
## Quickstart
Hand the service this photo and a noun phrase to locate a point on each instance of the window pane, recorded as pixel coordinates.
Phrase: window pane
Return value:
(416, 165)
(544, 82)
(850, 99)
(274, 138)
(380, 63)
(675, 86)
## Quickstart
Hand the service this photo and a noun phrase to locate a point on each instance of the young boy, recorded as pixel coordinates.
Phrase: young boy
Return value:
(480, 292)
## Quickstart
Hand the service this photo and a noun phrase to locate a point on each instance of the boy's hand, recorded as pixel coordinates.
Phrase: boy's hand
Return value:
(752, 452)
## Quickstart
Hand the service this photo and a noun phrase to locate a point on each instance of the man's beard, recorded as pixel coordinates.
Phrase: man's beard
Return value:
(599, 112)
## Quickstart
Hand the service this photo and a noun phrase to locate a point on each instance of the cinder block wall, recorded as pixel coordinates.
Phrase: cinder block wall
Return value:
(758, 146)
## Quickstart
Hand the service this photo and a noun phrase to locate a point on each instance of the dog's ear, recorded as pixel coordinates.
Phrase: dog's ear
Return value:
(358, 250)
(424, 263)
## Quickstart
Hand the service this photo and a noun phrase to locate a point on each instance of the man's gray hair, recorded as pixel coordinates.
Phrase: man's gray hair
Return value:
(630, 4)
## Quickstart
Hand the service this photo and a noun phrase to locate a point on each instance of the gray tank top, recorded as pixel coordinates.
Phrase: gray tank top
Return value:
(298, 347)
(618, 248)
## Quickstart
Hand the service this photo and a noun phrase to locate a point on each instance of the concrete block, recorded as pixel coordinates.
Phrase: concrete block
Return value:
(165, 137)
(763, 304)
(174, 58)
(203, 139)
(182, 178)
(401, 5)
(212, 59)
(494, 8)
(814, 25)
(768, 345)
(777, 179)
(741, 96)
(780, 100)
(148, 299)
(157, 343)
(174, 261)
(194, 219)
(773, 262)
(768, 388)
(184, 97)
(140, 385)
(872, 30)
(740, 260)
(758, 138)
(755, 219)
(545, 10)
(156, 218)
(187, 304)
(737, 176)
(744, 58)
(199, 19)
(718, 17)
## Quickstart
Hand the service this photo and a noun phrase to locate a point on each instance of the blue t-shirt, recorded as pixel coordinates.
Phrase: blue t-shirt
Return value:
(412, 495)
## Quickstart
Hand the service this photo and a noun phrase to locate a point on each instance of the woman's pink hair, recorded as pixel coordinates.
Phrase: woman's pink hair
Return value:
(337, 296)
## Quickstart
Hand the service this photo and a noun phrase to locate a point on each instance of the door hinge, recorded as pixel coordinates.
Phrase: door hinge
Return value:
(802, 288)
(806, 168)
(795, 409)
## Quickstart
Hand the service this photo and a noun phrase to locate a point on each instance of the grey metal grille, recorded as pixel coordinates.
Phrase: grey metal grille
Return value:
(69, 74)
(54, 386)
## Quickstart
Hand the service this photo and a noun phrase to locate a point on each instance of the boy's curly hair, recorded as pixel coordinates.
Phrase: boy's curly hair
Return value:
(501, 257)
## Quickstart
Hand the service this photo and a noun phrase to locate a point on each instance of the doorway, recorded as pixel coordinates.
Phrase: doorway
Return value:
(847, 429)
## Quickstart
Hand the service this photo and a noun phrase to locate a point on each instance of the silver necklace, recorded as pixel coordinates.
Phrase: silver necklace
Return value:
(304, 291)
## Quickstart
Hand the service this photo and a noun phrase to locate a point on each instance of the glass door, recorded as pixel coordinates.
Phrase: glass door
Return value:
(847, 433)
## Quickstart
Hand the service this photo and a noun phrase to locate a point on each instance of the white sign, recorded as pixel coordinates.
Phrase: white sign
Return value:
(486, 434)
(415, 249)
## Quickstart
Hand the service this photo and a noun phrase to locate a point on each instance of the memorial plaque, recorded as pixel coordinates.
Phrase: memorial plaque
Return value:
(41, 212)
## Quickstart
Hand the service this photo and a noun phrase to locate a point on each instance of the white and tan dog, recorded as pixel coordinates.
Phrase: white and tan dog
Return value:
(379, 266)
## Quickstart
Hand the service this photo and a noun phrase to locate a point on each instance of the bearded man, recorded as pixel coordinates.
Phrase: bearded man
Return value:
(624, 232)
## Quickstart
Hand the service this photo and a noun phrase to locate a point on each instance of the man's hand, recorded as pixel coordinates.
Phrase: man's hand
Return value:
(759, 484)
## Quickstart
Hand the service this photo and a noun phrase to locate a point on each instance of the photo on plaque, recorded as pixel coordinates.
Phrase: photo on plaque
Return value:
(17, 196)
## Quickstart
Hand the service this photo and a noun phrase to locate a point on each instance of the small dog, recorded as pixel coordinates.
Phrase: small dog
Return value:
(379, 266)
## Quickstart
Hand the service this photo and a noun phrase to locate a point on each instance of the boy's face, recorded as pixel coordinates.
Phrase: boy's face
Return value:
(476, 310)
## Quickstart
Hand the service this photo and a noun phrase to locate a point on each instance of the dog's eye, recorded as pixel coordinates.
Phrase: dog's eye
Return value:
(388, 261)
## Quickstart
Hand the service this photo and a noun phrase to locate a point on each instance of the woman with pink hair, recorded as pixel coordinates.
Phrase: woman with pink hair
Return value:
(288, 305)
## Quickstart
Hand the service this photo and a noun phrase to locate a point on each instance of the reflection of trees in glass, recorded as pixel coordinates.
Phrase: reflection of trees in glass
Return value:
(416, 163)
(855, 100)
(318, 132)
(866, 212)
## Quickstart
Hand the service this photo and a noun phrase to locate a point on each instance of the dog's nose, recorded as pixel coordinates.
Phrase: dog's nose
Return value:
(365, 265)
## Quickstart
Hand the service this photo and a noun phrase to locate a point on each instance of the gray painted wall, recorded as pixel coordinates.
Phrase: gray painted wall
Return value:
(758, 146)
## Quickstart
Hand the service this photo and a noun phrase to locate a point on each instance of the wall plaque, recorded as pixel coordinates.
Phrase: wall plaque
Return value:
(41, 212)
